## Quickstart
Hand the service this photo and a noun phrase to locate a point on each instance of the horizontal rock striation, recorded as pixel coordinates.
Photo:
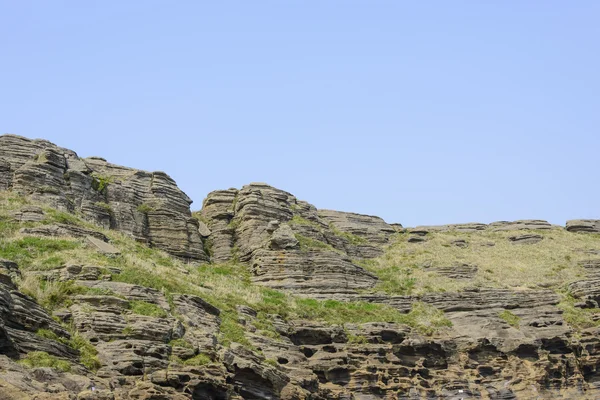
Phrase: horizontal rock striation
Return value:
(146, 205)
(291, 245)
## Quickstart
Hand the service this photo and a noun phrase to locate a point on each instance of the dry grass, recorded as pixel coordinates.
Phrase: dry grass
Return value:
(553, 262)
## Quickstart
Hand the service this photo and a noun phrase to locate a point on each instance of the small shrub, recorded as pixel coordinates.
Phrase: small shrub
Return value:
(234, 224)
(100, 182)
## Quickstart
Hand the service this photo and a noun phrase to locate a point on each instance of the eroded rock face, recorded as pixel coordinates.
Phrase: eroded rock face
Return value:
(291, 245)
(584, 225)
(147, 205)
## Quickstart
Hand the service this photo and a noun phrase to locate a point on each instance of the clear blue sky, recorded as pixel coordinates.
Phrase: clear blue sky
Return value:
(422, 112)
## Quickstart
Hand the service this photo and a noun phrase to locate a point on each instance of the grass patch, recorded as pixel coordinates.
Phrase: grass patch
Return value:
(41, 359)
(298, 220)
(105, 206)
(510, 318)
(198, 360)
(148, 309)
(231, 331)
(50, 295)
(423, 317)
(307, 243)
(61, 217)
(578, 318)
(145, 208)
(552, 263)
(88, 355)
(27, 249)
(350, 237)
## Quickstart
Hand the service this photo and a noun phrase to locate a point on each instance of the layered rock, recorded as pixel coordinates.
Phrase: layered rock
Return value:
(291, 245)
(147, 205)
(584, 225)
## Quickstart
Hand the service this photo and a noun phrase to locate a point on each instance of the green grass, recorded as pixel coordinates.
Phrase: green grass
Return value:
(25, 250)
(87, 352)
(198, 360)
(510, 318)
(298, 220)
(61, 217)
(100, 182)
(49, 294)
(104, 206)
(353, 239)
(41, 359)
(148, 309)
(145, 208)
(424, 318)
(578, 318)
(307, 243)
(232, 331)
(88, 355)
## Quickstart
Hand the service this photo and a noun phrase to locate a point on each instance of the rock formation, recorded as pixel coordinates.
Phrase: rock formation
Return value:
(250, 298)
(146, 205)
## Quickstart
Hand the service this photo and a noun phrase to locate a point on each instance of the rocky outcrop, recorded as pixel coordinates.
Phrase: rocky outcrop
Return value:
(147, 205)
(291, 245)
(584, 225)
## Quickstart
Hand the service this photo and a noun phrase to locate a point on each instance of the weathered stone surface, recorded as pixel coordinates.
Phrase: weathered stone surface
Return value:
(21, 317)
(202, 320)
(253, 378)
(103, 247)
(289, 243)
(283, 238)
(29, 213)
(149, 206)
(217, 208)
(525, 224)
(129, 291)
(584, 225)
(373, 230)
(526, 239)
(306, 273)
(63, 230)
(461, 271)
(460, 243)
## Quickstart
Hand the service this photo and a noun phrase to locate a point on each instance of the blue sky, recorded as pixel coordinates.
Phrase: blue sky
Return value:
(425, 112)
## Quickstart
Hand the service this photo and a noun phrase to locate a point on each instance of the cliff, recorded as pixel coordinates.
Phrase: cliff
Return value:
(111, 288)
